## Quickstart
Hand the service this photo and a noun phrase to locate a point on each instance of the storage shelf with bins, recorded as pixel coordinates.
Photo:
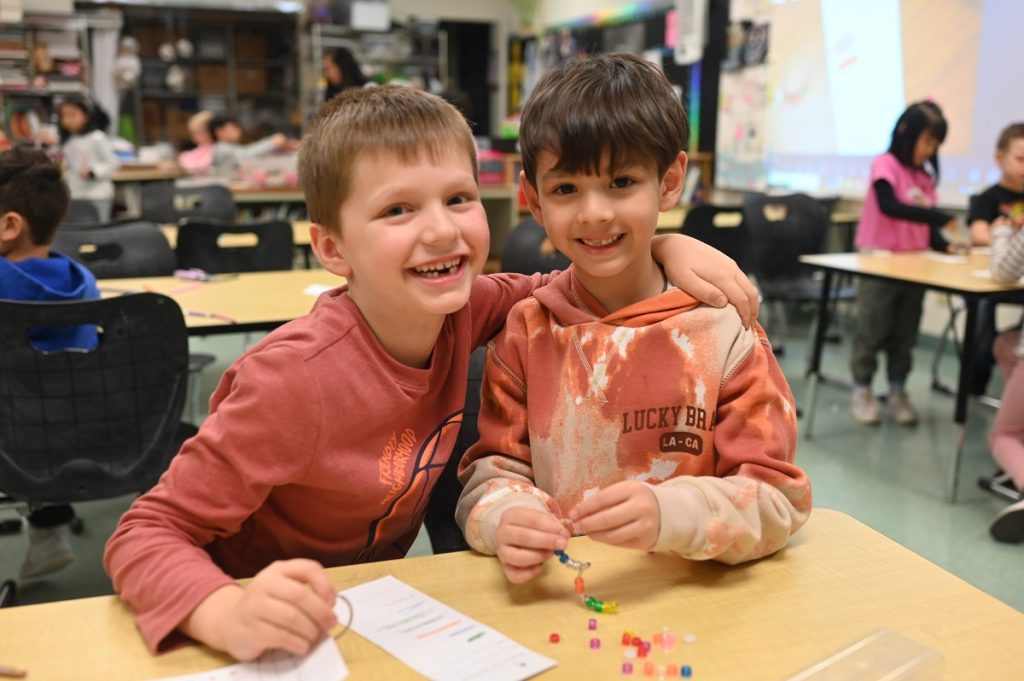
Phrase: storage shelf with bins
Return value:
(402, 52)
(43, 59)
(243, 63)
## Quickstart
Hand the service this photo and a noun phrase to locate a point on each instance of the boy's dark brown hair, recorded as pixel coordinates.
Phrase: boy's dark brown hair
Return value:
(1011, 132)
(366, 122)
(615, 102)
(32, 186)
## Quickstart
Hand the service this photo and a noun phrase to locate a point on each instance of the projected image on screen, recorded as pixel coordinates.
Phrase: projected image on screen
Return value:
(839, 74)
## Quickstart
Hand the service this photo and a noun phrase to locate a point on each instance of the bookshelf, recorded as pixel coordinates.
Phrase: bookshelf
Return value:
(241, 62)
(43, 59)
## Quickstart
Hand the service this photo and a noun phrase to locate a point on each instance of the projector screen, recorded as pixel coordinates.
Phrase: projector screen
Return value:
(838, 74)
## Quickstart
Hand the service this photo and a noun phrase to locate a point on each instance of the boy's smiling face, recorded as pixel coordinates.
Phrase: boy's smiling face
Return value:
(1011, 162)
(413, 237)
(604, 223)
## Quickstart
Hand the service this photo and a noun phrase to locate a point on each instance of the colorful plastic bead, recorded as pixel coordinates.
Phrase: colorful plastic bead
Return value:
(627, 668)
(592, 624)
(689, 639)
(554, 638)
(648, 669)
(578, 585)
(636, 640)
(629, 653)
(685, 671)
(626, 638)
(611, 607)
(657, 637)
(641, 651)
(671, 670)
(595, 643)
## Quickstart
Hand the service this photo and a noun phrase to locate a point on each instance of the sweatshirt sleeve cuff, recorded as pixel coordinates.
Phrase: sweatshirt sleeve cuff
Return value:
(159, 627)
(484, 539)
(684, 518)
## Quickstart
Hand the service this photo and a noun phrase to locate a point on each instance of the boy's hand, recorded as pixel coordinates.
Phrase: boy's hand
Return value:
(526, 538)
(289, 605)
(707, 274)
(624, 514)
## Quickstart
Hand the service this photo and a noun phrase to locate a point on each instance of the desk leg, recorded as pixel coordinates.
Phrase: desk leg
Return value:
(964, 382)
(814, 363)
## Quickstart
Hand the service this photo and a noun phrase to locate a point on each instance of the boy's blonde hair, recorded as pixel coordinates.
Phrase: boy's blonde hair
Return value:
(363, 122)
(616, 102)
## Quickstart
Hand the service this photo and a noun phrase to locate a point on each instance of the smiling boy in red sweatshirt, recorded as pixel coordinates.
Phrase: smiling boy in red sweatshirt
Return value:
(612, 399)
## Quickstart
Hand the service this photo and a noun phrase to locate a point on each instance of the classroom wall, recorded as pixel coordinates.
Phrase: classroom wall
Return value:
(558, 11)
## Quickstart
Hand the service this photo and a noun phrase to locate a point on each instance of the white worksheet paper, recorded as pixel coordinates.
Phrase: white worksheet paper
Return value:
(323, 663)
(432, 638)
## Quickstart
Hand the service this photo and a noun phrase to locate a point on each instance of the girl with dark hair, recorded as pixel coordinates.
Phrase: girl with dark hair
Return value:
(88, 153)
(341, 72)
(898, 215)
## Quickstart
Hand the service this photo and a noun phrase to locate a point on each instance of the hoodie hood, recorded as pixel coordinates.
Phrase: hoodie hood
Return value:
(572, 304)
(57, 278)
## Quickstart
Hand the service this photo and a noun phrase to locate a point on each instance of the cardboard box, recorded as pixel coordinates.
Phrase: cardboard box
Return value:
(212, 78)
(249, 45)
(251, 81)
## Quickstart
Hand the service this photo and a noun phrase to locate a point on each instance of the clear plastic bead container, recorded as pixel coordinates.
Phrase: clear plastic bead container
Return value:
(882, 655)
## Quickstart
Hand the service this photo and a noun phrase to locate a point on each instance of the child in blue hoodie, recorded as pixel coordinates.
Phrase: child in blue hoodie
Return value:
(33, 202)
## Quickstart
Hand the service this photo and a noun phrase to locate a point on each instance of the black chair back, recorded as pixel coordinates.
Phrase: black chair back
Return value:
(721, 227)
(82, 211)
(164, 203)
(131, 249)
(199, 245)
(80, 425)
(527, 250)
(782, 228)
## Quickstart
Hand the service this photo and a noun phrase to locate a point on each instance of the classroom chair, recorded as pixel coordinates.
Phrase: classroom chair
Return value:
(126, 250)
(722, 228)
(165, 203)
(81, 211)
(528, 250)
(207, 245)
(782, 228)
(81, 425)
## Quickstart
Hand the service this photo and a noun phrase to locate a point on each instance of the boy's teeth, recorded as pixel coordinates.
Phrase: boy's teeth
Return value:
(600, 242)
(439, 267)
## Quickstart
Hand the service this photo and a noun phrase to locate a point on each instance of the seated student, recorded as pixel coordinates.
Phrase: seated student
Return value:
(326, 438)
(1006, 440)
(198, 160)
(33, 201)
(611, 401)
(228, 151)
(1002, 203)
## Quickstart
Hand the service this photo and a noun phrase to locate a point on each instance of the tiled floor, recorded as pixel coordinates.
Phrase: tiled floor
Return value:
(892, 478)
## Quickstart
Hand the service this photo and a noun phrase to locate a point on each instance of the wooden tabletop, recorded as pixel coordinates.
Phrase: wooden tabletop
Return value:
(233, 302)
(300, 235)
(836, 582)
(925, 269)
(147, 173)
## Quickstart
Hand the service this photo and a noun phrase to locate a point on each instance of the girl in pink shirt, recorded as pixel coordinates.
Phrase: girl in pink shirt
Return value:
(898, 215)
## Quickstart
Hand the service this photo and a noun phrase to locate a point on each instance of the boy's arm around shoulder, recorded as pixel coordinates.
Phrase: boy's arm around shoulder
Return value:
(498, 470)
(493, 297)
(262, 432)
(758, 496)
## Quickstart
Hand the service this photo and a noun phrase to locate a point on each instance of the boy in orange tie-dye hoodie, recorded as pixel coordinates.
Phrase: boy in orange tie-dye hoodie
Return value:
(611, 399)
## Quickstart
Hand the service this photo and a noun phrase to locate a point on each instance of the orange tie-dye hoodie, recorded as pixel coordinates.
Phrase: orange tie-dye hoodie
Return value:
(668, 391)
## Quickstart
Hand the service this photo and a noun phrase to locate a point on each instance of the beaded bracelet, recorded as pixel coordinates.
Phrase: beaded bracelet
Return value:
(589, 602)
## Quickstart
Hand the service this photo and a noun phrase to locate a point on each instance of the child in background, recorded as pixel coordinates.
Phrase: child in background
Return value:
(33, 201)
(326, 438)
(228, 151)
(197, 161)
(89, 155)
(899, 215)
(1002, 203)
(1007, 437)
(612, 400)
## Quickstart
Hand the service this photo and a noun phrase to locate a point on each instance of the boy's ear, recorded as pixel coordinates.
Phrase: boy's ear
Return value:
(672, 183)
(12, 226)
(328, 250)
(532, 199)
